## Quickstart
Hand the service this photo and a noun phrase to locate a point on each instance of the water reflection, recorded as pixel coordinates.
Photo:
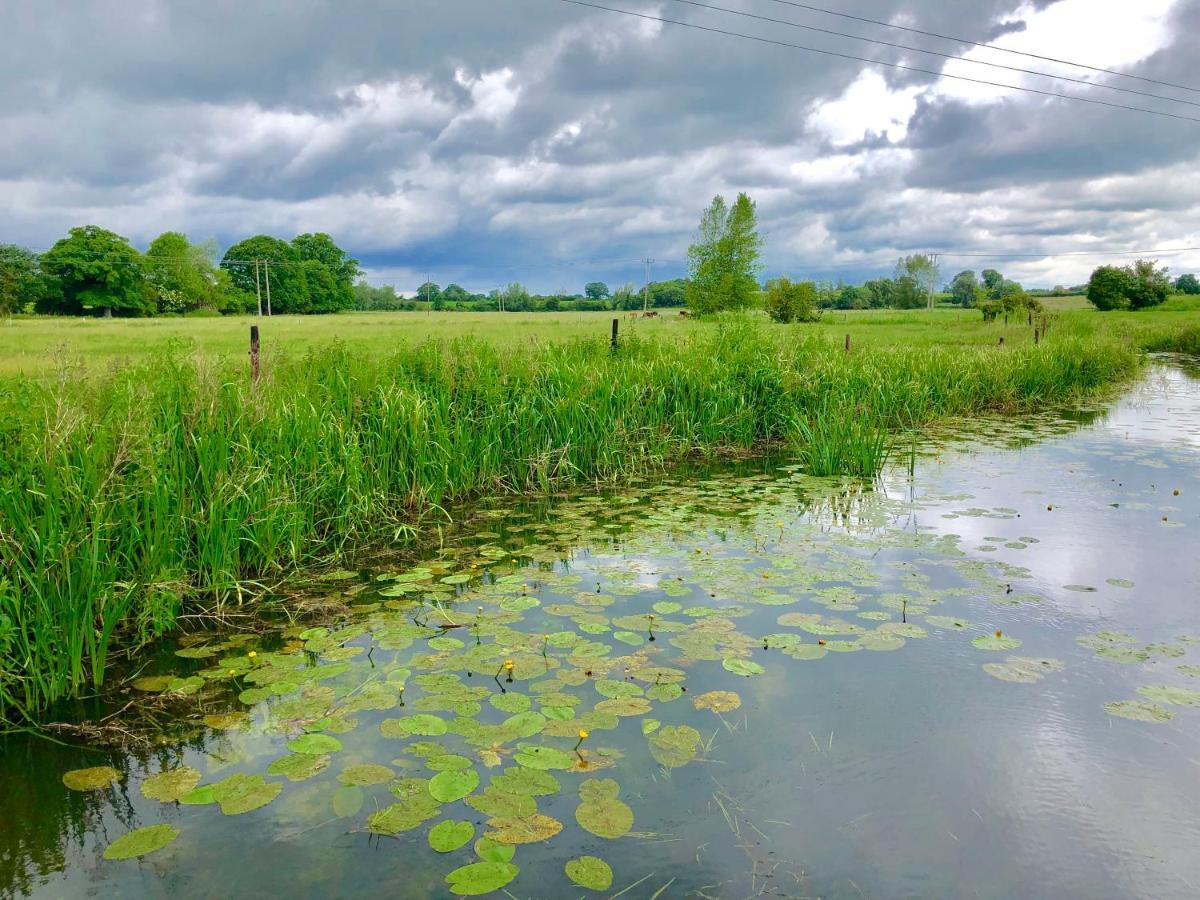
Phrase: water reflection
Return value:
(845, 771)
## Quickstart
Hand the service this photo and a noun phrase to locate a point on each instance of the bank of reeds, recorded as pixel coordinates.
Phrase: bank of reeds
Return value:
(123, 496)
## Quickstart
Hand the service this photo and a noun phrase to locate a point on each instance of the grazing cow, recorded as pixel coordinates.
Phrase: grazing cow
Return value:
(650, 315)
(685, 313)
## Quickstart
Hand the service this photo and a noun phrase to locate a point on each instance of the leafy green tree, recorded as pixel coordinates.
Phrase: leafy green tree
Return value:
(333, 291)
(1187, 284)
(924, 272)
(991, 283)
(879, 293)
(455, 293)
(668, 293)
(182, 275)
(596, 290)
(428, 292)
(280, 263)
(848, 297)
(98, 271)
(1109, 288)
(791, 301)
(723, 261)
(1149, 285)
(23, 283)
(907, 293)
(964, 287)
(368, 297)
(516, 298)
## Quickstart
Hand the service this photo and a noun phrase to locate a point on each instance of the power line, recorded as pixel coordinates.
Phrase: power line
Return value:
(951, 56)
(875, 62)
(1158, 251)
(996, 47)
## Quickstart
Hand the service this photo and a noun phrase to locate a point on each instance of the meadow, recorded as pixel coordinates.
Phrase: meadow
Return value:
(139, 476)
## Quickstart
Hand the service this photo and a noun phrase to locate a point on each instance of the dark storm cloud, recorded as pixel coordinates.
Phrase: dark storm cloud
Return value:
(532, 139)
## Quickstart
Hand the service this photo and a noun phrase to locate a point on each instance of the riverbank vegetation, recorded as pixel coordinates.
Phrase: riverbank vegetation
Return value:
(129, 493)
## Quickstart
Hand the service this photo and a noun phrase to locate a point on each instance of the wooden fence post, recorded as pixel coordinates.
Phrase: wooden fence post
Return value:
(616, 324)
(254, 353)
(847, 343)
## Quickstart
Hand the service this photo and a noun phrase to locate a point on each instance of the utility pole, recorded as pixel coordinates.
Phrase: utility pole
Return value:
(646, 291)
(258, 286)
(267, 269)
(933, 258)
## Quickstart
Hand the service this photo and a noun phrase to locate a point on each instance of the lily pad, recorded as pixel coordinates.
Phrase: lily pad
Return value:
(315, 743)
(453, 784)
(717, 701)
(365, 775)
(996, 642)
(241, 793)
(422, 723)
(94, 779)
(527, 782)
(1164, 693)
(449, 835)
(172, 785)
(600, 811)
(511, 702)
(299, 766)
(1139, 711)
(489, 851)
(481, 878)
(1023, 670)
(743, 667)
(494, 802)
(347, 801)
(675, 745)
(523, 829)
(590, 872)
(533, 756)
(140, 842)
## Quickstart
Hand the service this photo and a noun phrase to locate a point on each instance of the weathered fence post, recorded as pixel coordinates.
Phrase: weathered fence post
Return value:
(616, 324)
(847, 343)
(254, 353)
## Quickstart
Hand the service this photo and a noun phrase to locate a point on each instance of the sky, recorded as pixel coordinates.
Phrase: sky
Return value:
(489, 141)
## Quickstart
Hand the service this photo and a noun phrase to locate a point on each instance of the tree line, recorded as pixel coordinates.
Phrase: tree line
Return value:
(94, 271)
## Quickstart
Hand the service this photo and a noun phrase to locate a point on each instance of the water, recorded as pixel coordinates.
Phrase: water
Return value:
(906, 769)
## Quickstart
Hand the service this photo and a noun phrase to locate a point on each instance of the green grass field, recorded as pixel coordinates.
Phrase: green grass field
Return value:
(41, 345)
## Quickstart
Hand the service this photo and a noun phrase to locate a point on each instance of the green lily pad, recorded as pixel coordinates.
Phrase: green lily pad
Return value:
(675, 745)
(526, 782)
(649, 726)
(299, 766)
(536, 757)
(481, 878)
(667, 607)
(365, 775)
(96, 778)
(140, 842)
(449, 835)
(994, 642)
(453, 784)
(1139, 711)
(447, 762)
(632, 638)
(664, 693)
(240, 793)
(526, 724)
(404, 816)
(315, 743)
(422, 723)
(590, 872)
(600, 812)
(495, 802)
(1023, 670)
(743, 667)
(1176, 696)
(717, 701)
(172, 785)
(489, 851)
(523, 829)
(511, 702)
(348, 800)
(624, 706)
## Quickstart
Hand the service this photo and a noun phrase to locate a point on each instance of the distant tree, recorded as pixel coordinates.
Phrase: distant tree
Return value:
(879, 293)
(1109, 288)
(924, 271)
(333, 289)
(23, 282)
(1187, 284)
(624, 297)
(1150, 285)
(668, 293)
(964, 287)
(98, 271)
(456, 294)
(991, 282)
(849, 297)
(907, 293)
(368, 297)
(791, 301)
(516, 298)
(183, 276)
(428, 292)
(723, 261)
(596, 290)
(279, 262)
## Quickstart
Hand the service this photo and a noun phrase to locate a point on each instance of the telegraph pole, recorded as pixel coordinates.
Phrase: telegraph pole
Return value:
(267, 270)
(258, 286)
(646, 291)
(933, 258)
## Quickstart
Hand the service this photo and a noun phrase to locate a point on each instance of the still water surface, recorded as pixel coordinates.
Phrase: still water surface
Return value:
(922, 690)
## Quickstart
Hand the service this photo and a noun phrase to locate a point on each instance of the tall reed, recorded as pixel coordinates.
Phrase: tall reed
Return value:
(123, 496)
